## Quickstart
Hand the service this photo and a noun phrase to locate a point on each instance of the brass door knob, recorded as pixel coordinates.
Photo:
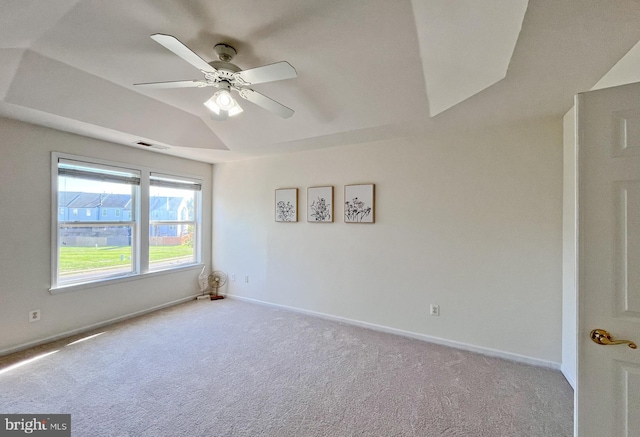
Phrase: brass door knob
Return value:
(602, 337)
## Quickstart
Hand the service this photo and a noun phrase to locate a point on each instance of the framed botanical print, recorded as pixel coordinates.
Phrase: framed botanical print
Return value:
(320, 204)
(359, 203)
(286, 205)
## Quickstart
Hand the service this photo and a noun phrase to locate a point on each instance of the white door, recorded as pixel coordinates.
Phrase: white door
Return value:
(608, 376)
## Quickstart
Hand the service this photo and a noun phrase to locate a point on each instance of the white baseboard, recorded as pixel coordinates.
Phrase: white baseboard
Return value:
(93, 326)
(428, 338)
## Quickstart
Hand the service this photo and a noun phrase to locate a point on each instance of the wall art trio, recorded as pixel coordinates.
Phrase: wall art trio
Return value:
(359, 204)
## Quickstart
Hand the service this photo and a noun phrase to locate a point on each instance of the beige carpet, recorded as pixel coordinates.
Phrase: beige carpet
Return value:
(231, 368)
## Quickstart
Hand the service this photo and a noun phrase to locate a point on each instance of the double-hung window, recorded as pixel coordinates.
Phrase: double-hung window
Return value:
(173, 204)
(119, 234)
(95, 247)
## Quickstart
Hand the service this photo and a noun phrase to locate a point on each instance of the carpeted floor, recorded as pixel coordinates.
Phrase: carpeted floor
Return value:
(232, 368)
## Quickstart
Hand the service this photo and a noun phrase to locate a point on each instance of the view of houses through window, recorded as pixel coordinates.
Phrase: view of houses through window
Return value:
(99, 220)
(172, 222)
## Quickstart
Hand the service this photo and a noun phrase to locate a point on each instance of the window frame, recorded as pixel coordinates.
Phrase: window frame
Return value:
(140, 217)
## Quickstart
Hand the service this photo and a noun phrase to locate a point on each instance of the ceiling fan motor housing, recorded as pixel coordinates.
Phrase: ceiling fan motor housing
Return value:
(225, 66)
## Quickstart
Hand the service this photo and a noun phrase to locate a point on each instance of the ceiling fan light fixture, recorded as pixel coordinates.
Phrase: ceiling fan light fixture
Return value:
(235, 110)
(225, 105)
(224, 100)
(213, 107)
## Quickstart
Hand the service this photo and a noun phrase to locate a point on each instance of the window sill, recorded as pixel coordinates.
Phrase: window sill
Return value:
(120, 279)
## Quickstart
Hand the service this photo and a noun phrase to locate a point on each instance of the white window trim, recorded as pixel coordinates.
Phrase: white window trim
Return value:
(141, 243)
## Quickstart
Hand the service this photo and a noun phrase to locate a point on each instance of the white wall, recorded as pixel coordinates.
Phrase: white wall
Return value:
(25, 239)
(470, 221)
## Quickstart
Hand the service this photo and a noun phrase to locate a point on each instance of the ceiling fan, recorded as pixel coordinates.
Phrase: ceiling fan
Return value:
(226, 76)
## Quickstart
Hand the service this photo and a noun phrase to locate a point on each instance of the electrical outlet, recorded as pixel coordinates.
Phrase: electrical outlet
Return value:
(434, 310)
(34, 315)
(233, 277)
(246, 279)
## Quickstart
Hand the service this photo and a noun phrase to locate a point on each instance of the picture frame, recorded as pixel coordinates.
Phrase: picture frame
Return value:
(359, 203)
(320, 204)
(286, 205)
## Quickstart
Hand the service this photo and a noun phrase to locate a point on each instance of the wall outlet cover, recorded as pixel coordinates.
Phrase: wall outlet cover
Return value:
(34, 315)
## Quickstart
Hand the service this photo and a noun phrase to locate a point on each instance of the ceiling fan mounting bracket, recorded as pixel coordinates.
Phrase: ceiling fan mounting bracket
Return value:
(225, 52)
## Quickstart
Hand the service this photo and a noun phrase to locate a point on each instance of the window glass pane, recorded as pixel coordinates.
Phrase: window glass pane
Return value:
(172, 228)
(168, 252)
(98, 248)
(96, 198)
(172, 204)
(90, 252)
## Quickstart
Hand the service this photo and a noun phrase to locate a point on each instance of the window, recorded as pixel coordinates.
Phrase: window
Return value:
(173, 203)
(104, 246)
(89, 250)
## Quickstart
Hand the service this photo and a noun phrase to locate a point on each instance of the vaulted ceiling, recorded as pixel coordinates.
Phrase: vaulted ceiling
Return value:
(367, 70)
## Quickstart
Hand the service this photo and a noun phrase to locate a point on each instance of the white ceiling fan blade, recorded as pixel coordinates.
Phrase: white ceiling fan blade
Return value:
(265, 102)
(172, 43)
(175, 84)
(268, 73)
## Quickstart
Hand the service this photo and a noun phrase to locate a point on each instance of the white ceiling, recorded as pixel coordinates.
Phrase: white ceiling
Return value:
(367, 70)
